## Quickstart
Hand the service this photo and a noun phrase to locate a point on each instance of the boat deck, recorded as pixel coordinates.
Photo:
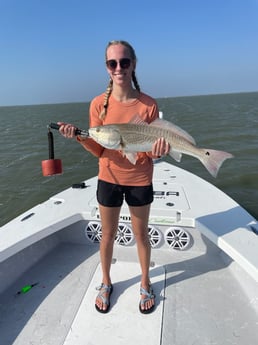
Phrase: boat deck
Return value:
(199, 299)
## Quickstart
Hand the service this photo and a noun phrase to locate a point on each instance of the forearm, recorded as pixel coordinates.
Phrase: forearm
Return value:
(91, 146)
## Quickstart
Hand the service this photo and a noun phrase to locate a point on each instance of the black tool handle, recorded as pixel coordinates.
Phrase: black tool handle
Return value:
(51, 145)
(77, 131)
(54, 125)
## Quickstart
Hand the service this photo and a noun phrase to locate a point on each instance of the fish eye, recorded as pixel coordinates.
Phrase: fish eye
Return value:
(98, 129)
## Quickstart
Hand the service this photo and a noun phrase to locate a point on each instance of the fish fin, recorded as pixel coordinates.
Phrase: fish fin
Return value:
(174, 128)
(213, 159)
(131, 156)
(137, 120)
(176, 155)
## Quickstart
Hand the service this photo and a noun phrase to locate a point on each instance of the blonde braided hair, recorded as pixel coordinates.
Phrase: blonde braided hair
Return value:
(110, 84)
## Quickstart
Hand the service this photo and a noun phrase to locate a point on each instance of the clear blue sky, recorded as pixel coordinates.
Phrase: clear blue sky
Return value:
(52, 51)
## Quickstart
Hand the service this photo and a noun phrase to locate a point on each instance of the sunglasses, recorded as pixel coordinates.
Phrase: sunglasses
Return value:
(124, 63)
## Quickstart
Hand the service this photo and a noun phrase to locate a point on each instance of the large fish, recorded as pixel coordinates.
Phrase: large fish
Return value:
(139, 136)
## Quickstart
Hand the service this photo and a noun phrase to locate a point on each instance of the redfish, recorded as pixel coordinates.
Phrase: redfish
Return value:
(139, 136)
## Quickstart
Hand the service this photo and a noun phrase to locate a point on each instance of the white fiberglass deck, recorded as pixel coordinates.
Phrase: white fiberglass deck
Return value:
(124, 323)
(206, 300)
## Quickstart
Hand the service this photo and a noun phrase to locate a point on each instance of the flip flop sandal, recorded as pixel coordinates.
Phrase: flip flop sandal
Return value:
(103, 289)
(149, 295)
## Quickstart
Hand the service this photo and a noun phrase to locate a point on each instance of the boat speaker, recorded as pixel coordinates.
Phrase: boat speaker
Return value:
(177, 238)
(124, 235)
(154, 236)
(93, 231)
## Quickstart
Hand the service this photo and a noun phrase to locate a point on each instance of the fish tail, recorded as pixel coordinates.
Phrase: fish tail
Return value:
(213, 159)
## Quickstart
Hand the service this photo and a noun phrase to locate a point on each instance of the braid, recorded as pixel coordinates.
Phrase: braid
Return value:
(106, 98)
(135, 82)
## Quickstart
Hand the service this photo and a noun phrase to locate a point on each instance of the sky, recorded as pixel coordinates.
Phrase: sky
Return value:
(52, 51)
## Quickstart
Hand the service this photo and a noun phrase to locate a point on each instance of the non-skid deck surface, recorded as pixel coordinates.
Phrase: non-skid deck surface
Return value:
(123, 324)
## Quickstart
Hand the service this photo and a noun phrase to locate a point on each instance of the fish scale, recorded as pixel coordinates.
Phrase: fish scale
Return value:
(132, 138)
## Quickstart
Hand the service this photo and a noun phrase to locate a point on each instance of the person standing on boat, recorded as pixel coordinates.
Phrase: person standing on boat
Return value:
(118, 179)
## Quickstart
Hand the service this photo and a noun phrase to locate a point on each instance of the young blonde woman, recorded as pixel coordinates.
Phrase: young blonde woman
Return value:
(118, 179)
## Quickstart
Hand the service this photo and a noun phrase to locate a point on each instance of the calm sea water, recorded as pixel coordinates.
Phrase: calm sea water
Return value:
(224, 122)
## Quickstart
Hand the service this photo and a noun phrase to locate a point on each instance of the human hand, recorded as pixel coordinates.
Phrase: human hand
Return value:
(67, 130)
(160, 147)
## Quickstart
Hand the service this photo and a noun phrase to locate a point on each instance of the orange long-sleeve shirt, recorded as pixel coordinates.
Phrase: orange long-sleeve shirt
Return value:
(113, 166)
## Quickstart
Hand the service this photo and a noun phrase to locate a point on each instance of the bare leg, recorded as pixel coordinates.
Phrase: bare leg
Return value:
(109, 219)
(139, 219)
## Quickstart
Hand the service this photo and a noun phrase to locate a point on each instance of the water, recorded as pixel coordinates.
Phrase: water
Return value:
(225, 122)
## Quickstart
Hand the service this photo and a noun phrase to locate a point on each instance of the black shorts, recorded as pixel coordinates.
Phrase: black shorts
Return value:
(112, 195)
